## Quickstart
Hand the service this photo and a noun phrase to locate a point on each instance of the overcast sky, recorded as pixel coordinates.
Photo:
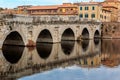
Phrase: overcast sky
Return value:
(15, 3)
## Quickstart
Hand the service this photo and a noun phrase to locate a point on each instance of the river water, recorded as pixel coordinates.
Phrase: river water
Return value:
(68, 60)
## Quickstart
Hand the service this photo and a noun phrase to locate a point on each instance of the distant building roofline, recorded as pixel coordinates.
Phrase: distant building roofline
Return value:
(87, 3)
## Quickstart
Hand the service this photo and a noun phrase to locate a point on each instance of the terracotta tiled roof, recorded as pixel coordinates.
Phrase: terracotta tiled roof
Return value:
(88, 3)
(8, 11)
(108, 6)
(43, 7)
(51, 6)
(68, 6)
(112, 0)
(106, 10)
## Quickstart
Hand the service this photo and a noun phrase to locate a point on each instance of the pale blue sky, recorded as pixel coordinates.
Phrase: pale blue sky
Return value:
(14, 3)
(77, 73)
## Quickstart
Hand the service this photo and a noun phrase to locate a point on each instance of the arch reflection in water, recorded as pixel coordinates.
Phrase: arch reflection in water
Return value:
(96, 41)
(85, 44)
(44, 50)
(12, 53)
(67, 46)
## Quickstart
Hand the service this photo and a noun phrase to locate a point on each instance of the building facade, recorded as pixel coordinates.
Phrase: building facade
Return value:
(105, 15)
(68, 9)
(42, 10)
(22, 9)
(114, 7)
(89, 10)
(64, 9)
(107, 11)
(9, 11)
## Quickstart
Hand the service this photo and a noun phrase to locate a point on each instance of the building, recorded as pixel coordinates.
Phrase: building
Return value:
(68, 9)
(89, 10)
(64, 9)
(119, 16)
(105, 15)
(43, 10)
(9, 11)
(22, 9)
(1, 9)
(114, 7)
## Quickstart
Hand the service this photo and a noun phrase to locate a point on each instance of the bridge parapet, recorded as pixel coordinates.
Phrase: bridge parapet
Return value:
(47, 19)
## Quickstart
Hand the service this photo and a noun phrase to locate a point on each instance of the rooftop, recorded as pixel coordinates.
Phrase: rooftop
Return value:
(43, 7)
(52, 6)
(112, 0)
(108, 6)
(88, 3)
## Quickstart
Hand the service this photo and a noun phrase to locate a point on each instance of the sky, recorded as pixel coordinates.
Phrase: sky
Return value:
(15, 3)
(77, 73)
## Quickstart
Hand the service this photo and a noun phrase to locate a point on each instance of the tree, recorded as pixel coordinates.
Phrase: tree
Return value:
(1, 9)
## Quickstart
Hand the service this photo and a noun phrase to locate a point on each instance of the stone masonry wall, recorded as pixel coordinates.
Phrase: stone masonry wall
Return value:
(111, 30)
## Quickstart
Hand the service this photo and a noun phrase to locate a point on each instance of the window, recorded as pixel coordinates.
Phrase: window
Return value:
(80, 8)
(86, 15)
(85, 62)
(93, 8)
(60, 10)
(81, 15)
(68, 9)
(101, 16)
(93, 15)
(86, 8)
(104, 17)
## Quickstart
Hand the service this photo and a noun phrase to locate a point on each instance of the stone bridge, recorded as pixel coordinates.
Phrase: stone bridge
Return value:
(29, 30)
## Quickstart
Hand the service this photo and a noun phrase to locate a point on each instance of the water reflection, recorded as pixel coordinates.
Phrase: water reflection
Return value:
(111, 52)
(96, 41)
(12, 53)
(44, 50)
(85, 44)
(67, 46)
(50, 56)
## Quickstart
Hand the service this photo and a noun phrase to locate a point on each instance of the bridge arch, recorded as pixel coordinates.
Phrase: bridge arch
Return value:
(68, 35)
(44, 36)
(85, 34)
(96, 34)
(14, 38)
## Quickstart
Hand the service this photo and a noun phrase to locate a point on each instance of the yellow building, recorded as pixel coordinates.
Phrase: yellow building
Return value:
(23, 9)
(89, 10)
(68, 9)
(91, 62)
